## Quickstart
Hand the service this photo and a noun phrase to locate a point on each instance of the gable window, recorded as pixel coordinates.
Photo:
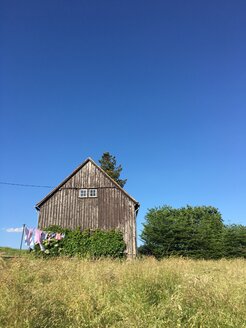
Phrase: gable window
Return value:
(83, 193)
(92, 192)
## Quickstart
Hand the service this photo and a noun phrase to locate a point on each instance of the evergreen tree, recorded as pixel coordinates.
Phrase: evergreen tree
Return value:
(108, 164)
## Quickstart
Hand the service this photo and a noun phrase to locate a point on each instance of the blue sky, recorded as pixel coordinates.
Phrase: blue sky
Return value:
(159, 84)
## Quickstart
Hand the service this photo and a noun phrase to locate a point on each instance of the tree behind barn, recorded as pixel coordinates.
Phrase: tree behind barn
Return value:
(108, 164)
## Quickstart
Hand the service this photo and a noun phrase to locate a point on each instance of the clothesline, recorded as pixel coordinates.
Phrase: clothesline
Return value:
(35, 236)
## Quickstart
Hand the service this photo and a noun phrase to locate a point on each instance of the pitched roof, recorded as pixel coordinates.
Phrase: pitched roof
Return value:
(73, 173)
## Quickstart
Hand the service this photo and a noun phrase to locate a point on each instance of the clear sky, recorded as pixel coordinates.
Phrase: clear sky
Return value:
(159, 84)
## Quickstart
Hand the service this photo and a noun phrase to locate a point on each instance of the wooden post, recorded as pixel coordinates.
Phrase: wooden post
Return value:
(22, 235)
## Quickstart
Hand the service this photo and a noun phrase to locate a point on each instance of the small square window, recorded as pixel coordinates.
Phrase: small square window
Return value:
(83, 193)
(92, 192)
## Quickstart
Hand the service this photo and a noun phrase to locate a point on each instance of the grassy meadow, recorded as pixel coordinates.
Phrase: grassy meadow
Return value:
(143, 293)
(7, 251)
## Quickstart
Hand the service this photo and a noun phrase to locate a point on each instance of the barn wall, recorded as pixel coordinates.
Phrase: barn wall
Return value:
(111, 209)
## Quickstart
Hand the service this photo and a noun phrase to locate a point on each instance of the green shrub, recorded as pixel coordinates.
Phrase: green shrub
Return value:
(234, 241)
(86, 243)
(107, 243)
(56, 228)
(188, 231)
(195, 232)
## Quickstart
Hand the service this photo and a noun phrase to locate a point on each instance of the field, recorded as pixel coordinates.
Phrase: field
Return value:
(142, 293)
(10, 252)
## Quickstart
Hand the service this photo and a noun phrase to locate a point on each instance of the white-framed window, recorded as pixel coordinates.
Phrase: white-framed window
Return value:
(92, 192)
(82, 193)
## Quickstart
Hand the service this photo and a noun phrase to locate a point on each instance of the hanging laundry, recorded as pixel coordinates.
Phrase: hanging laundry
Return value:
(43, 236)
(39, 237)
(53, 235)
(58, 236)
(50, 235)
(42, 247)
(36, 236)
(29, 237)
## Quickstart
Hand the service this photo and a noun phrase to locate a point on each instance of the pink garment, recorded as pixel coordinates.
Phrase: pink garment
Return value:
(37, 238)
(58, 236)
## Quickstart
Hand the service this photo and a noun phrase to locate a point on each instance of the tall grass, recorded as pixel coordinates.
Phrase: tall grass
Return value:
(7, 251)
(142, 293)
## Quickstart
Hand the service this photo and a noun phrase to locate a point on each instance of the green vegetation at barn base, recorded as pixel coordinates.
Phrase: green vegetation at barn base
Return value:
(73, 292)
(90, 244)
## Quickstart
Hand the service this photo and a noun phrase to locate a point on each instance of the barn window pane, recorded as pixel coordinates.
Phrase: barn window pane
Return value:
(92, 192)
(83, 193)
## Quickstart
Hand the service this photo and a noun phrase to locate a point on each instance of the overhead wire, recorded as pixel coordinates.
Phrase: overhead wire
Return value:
(24, 185)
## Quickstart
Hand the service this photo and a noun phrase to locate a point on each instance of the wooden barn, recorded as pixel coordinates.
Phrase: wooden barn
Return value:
(90, 198)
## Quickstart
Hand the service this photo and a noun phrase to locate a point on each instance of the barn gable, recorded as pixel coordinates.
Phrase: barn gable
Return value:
(112, 208)
(88, 178)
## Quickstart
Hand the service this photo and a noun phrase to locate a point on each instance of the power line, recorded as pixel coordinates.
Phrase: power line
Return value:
(24, 185)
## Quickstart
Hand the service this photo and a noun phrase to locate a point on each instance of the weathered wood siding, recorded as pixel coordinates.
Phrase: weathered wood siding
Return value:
(111, 209)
